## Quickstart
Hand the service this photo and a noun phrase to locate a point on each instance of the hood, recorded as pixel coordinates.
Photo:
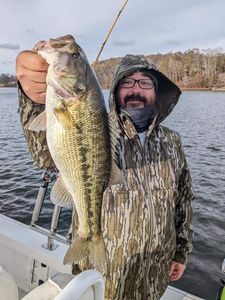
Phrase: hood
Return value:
(167, 93)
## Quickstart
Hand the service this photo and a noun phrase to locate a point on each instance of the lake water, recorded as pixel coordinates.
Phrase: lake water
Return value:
(199, 117)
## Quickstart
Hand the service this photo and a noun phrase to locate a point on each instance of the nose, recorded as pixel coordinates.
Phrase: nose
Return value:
(136, 87)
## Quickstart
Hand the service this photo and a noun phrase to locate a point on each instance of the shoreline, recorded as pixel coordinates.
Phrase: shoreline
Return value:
(194, 89)
(204, 89)
(182, 89)
(8, 86)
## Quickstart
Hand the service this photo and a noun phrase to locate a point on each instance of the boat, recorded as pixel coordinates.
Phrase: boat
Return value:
(31, 263)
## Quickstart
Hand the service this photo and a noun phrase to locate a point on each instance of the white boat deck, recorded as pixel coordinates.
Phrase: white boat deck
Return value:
(24, 239)
(22, 254)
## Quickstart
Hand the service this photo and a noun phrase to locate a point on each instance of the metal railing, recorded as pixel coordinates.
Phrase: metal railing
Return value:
(51, 234)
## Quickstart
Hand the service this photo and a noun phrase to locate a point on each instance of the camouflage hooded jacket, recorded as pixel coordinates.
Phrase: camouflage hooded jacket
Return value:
(147, 216)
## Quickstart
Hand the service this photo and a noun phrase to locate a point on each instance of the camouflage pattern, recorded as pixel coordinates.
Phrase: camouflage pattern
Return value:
(147, 217)
(36, 141)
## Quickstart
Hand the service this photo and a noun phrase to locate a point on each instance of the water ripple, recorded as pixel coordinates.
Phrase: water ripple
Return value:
(199, 119)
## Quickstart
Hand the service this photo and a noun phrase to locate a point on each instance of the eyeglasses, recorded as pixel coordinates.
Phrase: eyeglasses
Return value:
(145, 84)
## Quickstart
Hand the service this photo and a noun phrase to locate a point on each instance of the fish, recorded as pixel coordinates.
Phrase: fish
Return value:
(78, 137)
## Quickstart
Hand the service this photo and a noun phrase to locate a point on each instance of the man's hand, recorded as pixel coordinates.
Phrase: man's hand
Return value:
(31, 71)
(176, 271)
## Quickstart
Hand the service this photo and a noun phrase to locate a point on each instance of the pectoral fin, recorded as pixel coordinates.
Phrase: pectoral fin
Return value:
(39, 123)
(60, 194)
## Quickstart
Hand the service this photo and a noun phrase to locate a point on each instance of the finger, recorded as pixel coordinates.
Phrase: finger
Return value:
(31, 60)
(37, 97)
(33, 87)
(35, 91)
(34, 76)
(178, 271)
(172, 268)
(175, 276)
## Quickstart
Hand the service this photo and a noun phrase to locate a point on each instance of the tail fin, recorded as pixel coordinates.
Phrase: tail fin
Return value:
(94, 249)
(77, 250)
(97, 254)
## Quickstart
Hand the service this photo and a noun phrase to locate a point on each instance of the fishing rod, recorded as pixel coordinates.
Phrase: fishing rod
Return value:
(108, 34)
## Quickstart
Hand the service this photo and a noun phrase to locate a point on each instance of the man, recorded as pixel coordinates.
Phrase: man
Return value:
(147, 215)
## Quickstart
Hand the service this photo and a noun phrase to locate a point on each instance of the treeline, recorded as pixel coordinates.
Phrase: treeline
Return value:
(190, 69)
(7, 80)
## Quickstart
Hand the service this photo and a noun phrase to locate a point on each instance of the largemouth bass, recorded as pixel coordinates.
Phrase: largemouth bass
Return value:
(78, 139)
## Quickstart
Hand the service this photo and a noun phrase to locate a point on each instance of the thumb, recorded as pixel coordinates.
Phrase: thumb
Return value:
(172, 268)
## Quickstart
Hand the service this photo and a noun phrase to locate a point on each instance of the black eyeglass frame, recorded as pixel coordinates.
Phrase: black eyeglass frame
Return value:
(122, 82)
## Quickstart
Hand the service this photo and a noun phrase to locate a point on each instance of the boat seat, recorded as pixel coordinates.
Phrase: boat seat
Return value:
(88, 285)
(8, 287)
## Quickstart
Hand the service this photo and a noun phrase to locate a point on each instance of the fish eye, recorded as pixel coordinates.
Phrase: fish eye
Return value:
(76, 55)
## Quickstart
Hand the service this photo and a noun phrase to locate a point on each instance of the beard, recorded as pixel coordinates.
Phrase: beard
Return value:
(134, 99)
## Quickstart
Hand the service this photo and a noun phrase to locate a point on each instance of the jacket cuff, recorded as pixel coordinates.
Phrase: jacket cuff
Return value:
(36, 141)
(39, 106)
(180, 258)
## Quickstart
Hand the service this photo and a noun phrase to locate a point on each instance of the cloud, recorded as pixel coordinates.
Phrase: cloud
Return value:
(127, 43)
(144, 26)
(30, 31)
(172, 42)
(7, 63)
(10, 46)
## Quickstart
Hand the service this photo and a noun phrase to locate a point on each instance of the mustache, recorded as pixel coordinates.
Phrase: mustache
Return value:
(135, 97)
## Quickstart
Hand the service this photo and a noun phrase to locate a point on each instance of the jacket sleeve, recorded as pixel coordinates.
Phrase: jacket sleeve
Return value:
(184, 212)
(36, 141)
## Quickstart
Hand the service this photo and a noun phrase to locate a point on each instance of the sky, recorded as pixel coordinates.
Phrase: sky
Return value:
(144, 27)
